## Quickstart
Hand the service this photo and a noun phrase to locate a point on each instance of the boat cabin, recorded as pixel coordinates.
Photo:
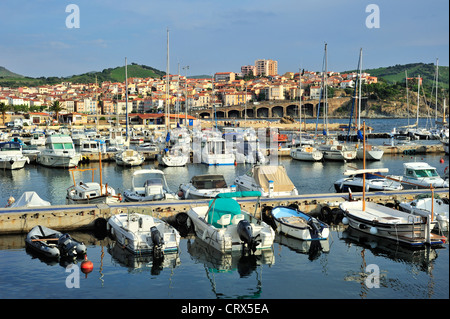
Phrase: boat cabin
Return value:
(208, 181)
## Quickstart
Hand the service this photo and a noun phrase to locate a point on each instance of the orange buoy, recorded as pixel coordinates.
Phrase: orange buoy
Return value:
(86, 266)
(441, 161)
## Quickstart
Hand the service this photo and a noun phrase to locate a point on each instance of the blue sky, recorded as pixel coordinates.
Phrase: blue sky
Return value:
(219, 36)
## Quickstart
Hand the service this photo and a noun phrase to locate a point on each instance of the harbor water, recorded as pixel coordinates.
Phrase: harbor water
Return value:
(348, 265)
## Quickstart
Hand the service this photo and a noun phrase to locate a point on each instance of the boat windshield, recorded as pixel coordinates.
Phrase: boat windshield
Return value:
(426, 173)
(63, 146)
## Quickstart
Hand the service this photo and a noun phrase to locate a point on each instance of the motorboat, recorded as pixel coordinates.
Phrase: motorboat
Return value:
(154, 187)
(59, 152)
(306, 153)
(386, 222)
(37, 139)
(147, 147)
(426, 206)
(374, 182)
(54, 244)
(226, 227)
(28, 199)
(389, 223)
(93, 146)
(214, 151)
(245, 147)
(143, 234)
(270, 180)
(204, 186)
(11, 156)
(421, 174)
(77, 136)
(90, 192)
(295, 223)
(129, 158)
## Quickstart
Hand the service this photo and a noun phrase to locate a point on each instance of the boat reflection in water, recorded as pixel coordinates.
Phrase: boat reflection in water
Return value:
(142, 263)
(422, 257)
(312, 248)
(217, 263)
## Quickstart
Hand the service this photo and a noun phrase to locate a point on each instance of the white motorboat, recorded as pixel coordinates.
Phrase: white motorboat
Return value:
(143, 234)
(270, 180)
(306, 153)
(154, 187)
(374, 182)
(59, 152)
(226, 227)
(204, 186)
(92, 146)
(38, 139)
(386, 222)
(215, 152)
(77, 136)
(90, 192)
(129, 158)
(295, 223)
(147, 147)
(389, 223)
(426, 206)
(11, 156)
(421, 174)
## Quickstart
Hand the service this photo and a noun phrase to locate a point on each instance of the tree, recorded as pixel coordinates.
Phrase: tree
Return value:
(56, 107)
(3, 109)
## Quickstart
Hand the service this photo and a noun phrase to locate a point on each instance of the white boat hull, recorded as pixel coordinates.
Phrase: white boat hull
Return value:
(51, 160)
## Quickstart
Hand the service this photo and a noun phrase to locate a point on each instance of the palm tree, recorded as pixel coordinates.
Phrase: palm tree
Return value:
(3, 109)
(56, 107)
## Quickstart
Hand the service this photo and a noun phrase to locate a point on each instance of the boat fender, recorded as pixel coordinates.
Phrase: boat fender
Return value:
(373, 230)
(325, 214)
(345, 221)
(337, 214)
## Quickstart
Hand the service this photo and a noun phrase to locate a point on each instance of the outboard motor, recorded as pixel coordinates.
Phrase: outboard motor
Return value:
(67, 246)
(315, 228)
(157, 240)
(245, 232)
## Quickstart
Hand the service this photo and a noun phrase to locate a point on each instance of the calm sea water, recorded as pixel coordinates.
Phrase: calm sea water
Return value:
(335, 269)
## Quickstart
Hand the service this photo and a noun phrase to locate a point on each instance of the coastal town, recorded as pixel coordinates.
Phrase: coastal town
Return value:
(253, 84)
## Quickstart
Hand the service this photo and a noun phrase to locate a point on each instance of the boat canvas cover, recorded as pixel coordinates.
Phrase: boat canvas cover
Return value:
(222, 206)
(277, 174)
(30, 199)
(208, 181)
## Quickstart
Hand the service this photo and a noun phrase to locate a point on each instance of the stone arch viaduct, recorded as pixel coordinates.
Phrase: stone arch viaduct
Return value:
(270, 109)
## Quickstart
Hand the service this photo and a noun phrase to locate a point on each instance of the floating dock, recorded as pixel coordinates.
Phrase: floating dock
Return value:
(87, 217)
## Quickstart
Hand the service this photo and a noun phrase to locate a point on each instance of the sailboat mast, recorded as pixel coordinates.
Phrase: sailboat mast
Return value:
(326, 90)
(359, 89)
(126, 100)
(437, 74)
(418, 96)
(167, 85)
(407, 95)
(300, 105)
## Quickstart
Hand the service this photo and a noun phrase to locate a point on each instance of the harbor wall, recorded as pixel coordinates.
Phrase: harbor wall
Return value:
(21, 220)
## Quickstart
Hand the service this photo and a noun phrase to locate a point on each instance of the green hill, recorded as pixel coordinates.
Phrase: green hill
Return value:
(111, 74)
(5, 73)
(396, 73)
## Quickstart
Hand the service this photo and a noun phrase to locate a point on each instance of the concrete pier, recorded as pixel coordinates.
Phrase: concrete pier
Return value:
(84, 217)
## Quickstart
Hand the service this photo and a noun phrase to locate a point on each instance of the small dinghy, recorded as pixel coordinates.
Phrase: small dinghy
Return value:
(54, 244)
(295, 223)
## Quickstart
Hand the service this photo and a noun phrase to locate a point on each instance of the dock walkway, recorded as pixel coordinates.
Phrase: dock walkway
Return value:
(83, 217)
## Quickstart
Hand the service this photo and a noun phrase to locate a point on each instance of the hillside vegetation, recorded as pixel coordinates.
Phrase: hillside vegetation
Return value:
(111, 74)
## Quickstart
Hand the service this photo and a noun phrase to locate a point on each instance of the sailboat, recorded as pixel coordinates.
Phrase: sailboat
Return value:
(373, 153)
(304, 152)
(331, 148)
(386, 222)
(170, 156)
